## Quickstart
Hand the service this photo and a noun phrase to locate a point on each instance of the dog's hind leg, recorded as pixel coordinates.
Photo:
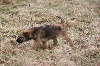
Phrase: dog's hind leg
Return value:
(66, 37)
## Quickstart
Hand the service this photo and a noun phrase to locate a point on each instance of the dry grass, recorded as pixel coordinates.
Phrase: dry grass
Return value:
(81, 16)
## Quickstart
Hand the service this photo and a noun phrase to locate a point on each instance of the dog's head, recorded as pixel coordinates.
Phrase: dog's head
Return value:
(25, 36)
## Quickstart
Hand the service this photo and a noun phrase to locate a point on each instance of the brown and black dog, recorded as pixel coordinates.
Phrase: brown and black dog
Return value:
(44, 33)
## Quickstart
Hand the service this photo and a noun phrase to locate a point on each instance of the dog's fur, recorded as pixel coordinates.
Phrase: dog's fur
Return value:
(44, 33)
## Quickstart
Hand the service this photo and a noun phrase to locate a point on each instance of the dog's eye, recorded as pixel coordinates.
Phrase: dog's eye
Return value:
(21, 37)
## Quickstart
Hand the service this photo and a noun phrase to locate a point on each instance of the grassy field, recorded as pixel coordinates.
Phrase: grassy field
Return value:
(82, 20)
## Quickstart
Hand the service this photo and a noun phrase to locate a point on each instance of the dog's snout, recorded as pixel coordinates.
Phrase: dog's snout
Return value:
(19, 41)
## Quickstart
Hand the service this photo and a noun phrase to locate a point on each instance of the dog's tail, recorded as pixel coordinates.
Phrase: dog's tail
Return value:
(62, 20)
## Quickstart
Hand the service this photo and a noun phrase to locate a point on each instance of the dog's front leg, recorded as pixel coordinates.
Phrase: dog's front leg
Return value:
(37, 43)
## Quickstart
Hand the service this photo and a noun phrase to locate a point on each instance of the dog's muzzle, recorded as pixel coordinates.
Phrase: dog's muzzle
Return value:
(19, 41)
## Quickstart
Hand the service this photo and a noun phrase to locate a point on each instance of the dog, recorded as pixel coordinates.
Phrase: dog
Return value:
(44, 33)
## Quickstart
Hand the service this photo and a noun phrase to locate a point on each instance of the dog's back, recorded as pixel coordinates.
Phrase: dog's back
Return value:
(51, 31)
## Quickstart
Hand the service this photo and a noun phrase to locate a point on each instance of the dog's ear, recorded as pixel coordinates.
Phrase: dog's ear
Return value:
(28, 34)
